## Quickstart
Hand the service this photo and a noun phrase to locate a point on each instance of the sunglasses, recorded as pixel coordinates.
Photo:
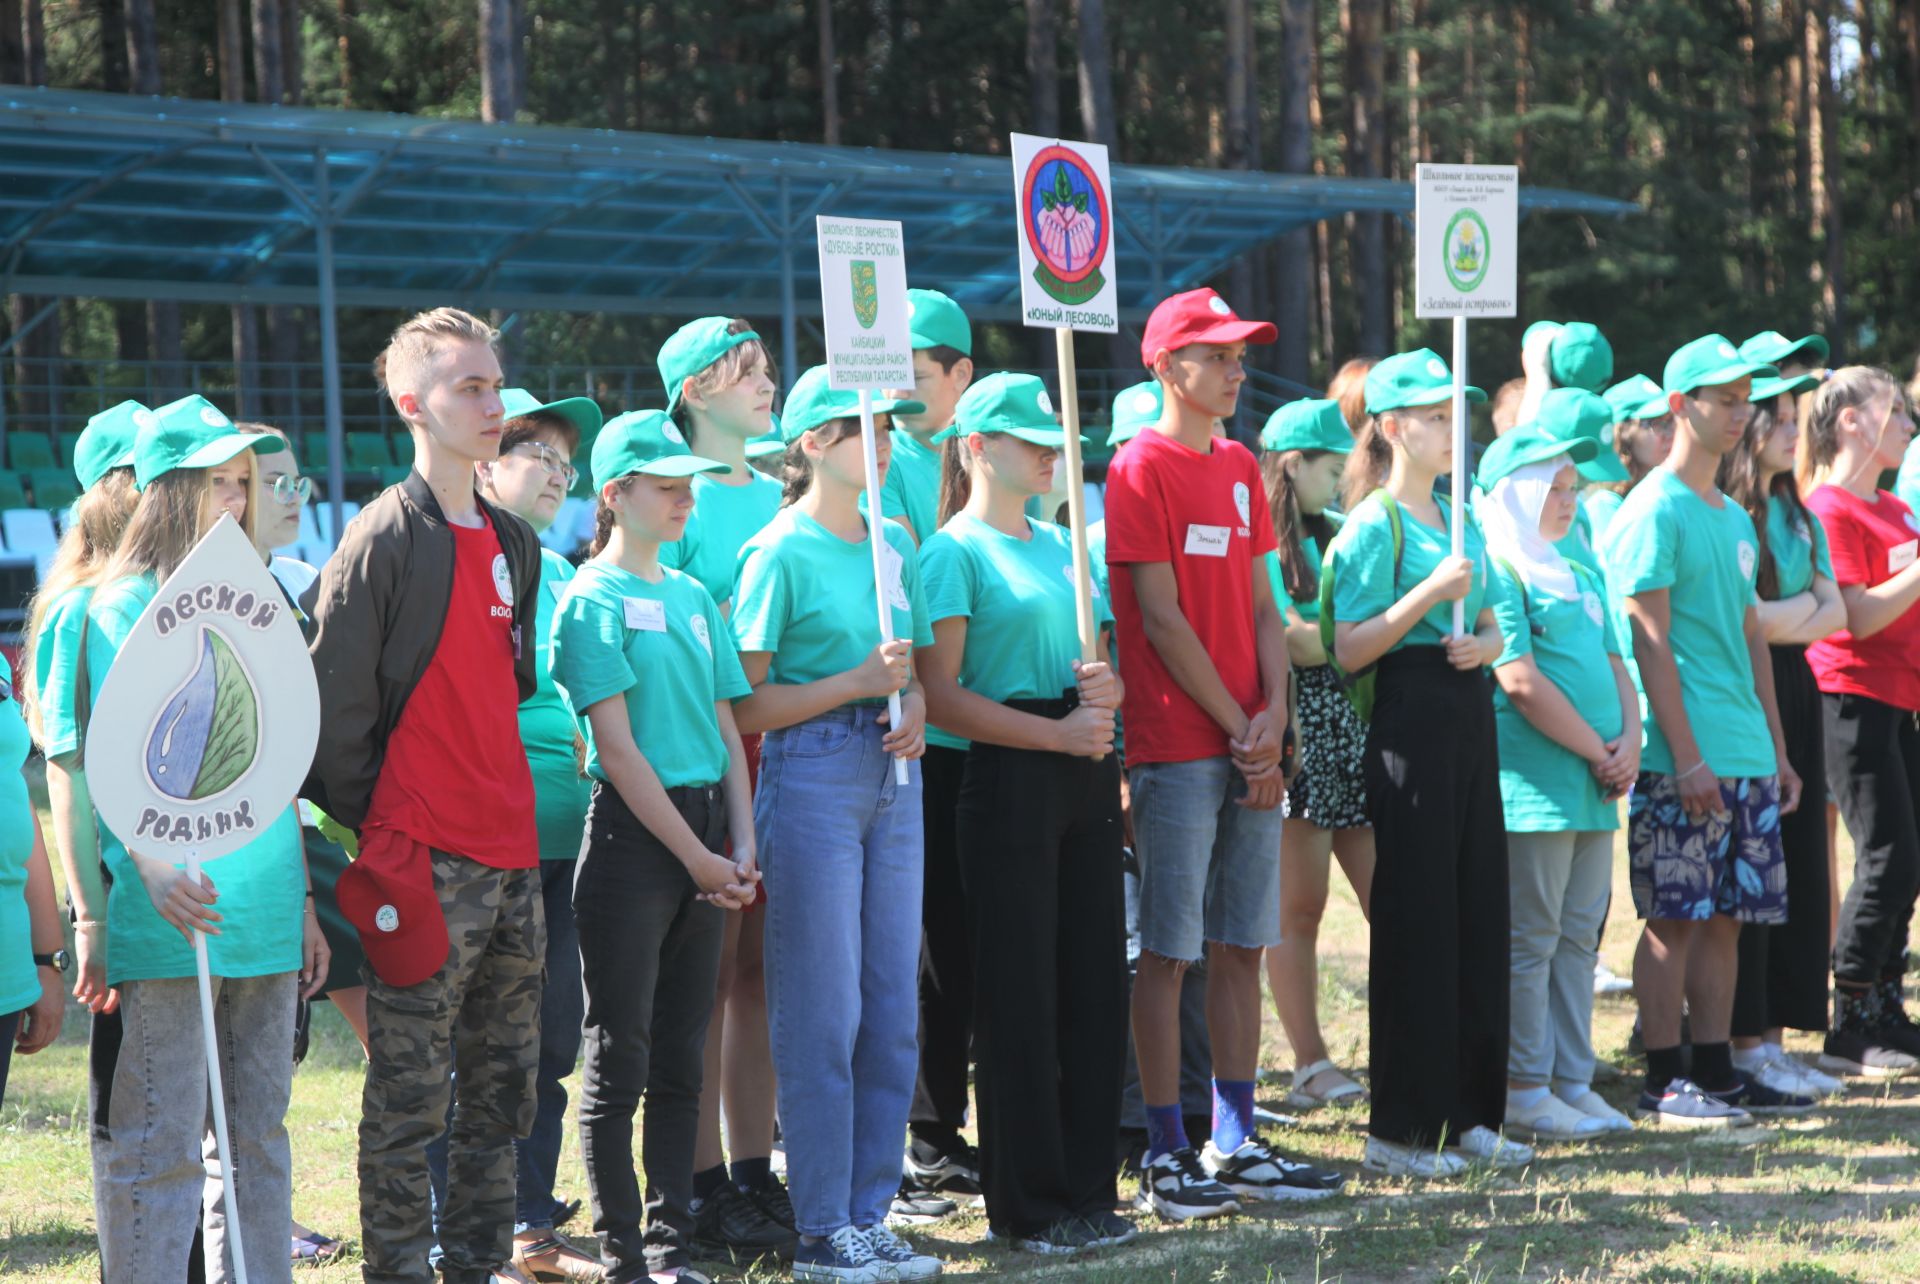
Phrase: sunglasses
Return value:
(549, 459)
(292, 490)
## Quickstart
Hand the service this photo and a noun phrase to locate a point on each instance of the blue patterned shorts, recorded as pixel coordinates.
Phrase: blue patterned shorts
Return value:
(1691, 870)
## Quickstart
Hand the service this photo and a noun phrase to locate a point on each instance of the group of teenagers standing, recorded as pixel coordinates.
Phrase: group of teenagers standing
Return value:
(656, 805)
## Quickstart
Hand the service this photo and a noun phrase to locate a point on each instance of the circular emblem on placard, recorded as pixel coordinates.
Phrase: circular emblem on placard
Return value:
(502, 578)
(1243, 500)
(1219, 305)
(1066, 220)
(1466, 246)
(1749, 557)
(700, 634)
(1592, 602)
(387, 918)
(213, 418)
(671, 431)
(1045, 402)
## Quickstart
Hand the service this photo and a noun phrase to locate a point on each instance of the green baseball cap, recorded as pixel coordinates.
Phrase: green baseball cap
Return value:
(1574, 414)
(1579, 356)
(106, 442)
(692, 348)
(1411, 379)
(1015, 404)
(189, 433)
(936, 321)
(646, 441)
(1765, 390)
(1772, 348)
(1708, 362)
(1133, 410)
(1529, 445)
(582, 412)
(1636, 397)
(1308, 424)
(812, 403)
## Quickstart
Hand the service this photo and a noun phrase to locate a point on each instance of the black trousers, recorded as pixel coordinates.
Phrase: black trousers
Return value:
(939, 1107)
(649, 959)
(1039, 849)
(1439, 967)
(1783, 969)
(1873, 769)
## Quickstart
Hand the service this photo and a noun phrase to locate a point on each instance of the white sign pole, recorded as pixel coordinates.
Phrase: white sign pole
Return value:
(876, 538)
(1076, 497)
(228, 1181)
(1462, 461)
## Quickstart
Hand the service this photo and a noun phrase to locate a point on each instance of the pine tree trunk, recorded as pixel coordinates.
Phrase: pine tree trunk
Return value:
(293, 54)
(268, 69)
(344, 44)
(1043, 68)
(1293, 276)
(1094, 59)
(1826, 177)
(496, 60)
(35, 35)
(1366, 158)
(829, 73)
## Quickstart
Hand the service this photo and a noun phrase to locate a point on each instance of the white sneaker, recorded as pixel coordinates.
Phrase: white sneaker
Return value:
(1812, 1082)
(1607, 984)
(898, 1259)
(1595, 1106)
(1396, 1160)
(1484, 1145)
(1551, 1119)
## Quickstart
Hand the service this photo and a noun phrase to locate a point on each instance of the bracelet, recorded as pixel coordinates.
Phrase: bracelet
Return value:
(1690, 770)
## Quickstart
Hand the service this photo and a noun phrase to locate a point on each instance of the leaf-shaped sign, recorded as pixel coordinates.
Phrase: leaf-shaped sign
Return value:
(207, 721)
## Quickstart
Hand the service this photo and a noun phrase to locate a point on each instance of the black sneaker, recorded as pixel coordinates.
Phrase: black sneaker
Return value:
(771, 1198)
(915, 1207)
(955, 1173)
(1900, 1032)
(1175, 1186)
(1757, 1098)
(1062, 1239)
(1866, 1053)
(729, 1226)
(1254, 1172)
(1109, 1229)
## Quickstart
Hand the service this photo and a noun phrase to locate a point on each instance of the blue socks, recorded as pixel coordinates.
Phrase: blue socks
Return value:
(1165, 1132)
(1232, 1114)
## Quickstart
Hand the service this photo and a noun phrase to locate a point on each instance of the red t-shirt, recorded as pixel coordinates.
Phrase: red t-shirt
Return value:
(1206, 516)
(455, 776)
(1869, 543)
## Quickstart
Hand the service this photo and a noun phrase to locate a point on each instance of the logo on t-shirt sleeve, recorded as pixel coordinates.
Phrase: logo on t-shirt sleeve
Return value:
(1243, 500)
(502, 578)
(700, 634)
(1749, 558)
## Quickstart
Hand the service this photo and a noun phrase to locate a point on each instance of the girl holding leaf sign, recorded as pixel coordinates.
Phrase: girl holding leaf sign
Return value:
(192, 469)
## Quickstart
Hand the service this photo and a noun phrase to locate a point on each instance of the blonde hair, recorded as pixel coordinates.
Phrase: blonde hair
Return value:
(169, 521)
(94, 531)
(1849, 388)
(409, 354)
(1349, 388)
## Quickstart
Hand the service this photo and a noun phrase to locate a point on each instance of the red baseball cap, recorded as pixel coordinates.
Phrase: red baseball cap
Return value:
(387, 893)
(1198, 316)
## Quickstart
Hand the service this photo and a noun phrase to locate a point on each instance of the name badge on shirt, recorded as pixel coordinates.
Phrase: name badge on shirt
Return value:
(892, 565)
(645, 613)
(1901, 556)
(1207, 541)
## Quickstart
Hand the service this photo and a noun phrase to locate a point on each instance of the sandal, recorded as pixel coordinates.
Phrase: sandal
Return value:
(315, 1249)
(1343, 1092)
(554, 1261)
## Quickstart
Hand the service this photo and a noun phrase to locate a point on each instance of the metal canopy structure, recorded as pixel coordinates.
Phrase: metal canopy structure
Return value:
(111, 196)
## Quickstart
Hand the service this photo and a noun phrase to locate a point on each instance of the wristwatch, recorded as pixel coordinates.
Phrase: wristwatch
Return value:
(59, 960)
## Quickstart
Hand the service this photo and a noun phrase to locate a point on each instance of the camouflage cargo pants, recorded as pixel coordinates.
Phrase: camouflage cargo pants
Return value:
(477, 1019)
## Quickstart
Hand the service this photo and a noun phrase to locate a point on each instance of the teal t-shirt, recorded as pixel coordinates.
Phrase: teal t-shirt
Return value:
(1667, 537)
(19, 978)
(261, 886)
(724, 517)
(1799, 546)
(1308, 607)
(1097, 562)
(546, 729)
(1598, 506)
(1544, 787)
(806, 596)
(56, 670)
(912, 487)
(1906, 483)
(1017, 596)
(1363, 578)
(665, 647)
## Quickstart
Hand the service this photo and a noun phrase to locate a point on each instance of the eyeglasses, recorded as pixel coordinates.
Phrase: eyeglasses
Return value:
(292, 490)
(551, 460)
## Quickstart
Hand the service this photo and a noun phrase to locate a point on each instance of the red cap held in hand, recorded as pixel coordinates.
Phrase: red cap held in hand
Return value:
(387, 893)
(1198, 316)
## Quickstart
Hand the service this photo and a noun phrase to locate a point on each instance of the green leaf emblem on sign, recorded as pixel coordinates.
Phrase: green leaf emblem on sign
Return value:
(209, 733)
(866, 292)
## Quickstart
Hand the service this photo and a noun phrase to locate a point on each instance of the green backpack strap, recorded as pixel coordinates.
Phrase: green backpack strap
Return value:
(1359, 685)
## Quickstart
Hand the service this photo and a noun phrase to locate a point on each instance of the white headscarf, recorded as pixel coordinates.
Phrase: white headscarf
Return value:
(1510, 518)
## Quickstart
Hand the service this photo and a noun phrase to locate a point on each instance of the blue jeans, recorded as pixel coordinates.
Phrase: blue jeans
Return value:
(840, 845)
(536, 1157)
(1209, 868)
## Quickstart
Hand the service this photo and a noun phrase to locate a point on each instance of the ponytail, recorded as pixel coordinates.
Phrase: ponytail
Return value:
(603, 516)
(796, 474)
(956, 480)
(1367, 466)
(1299, 574)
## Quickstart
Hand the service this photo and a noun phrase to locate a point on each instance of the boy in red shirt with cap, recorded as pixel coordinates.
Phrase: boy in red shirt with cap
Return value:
(1205, 661)
(423, 645)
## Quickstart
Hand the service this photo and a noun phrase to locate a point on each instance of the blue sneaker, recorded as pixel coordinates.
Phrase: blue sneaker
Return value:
(897, 1259)
(1683, 1105)
(1757, 1098)
(844, 1257)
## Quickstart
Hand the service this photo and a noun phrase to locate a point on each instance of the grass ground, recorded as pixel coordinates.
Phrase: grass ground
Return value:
(1829, 1198)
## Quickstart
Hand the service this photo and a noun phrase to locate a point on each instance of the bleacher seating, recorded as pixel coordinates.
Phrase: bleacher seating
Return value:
(53, 487)
(68, 440)
(27, 451)
(367, 451)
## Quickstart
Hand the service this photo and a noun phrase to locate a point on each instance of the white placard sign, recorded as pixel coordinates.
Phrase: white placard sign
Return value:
(1063, 209)
(1466, 222)
(207, 722)
(863, 297)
